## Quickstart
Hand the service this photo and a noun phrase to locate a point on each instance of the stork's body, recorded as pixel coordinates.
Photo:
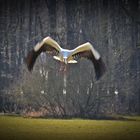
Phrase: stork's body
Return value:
(66, 56)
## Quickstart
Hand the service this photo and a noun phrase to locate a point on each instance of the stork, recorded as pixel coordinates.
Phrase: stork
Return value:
(66, 56)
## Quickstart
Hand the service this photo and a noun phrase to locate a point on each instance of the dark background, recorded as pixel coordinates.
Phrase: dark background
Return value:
(112, 26)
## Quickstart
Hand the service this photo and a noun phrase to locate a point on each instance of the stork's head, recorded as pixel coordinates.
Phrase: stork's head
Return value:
(65, 60)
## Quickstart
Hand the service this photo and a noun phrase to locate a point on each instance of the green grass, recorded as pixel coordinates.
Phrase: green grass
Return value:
(18, 128)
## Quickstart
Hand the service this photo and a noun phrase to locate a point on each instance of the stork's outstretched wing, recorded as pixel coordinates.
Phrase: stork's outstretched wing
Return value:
(46, 45)
(86, 50)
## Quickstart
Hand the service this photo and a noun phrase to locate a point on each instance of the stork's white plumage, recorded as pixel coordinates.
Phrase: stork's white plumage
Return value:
(66, 56)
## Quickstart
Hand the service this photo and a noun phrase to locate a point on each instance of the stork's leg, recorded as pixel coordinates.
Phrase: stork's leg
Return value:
(65, 68)
(65, 84)
(61, 67)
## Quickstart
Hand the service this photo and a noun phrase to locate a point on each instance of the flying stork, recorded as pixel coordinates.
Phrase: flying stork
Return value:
(66, 56)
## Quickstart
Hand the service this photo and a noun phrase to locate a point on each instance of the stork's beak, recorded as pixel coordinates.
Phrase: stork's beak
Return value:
(65, 60)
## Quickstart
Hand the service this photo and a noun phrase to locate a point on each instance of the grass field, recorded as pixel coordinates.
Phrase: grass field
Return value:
(18, 128)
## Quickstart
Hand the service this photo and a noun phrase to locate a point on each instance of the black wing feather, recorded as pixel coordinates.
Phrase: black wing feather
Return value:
(32, 55)
(99, 65)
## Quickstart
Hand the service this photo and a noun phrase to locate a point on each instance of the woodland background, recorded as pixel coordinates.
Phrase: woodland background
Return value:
(112, 26)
